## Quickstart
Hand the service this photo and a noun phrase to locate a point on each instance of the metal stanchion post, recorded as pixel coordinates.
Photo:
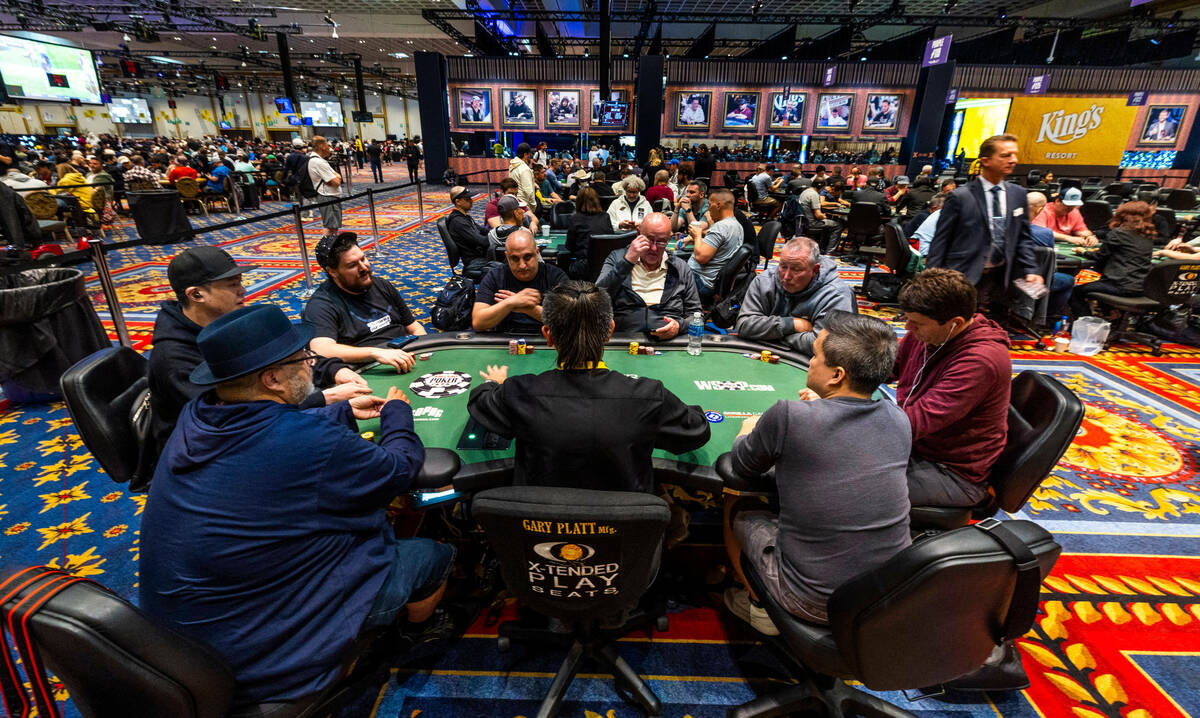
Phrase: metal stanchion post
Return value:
(374, 224)
(487, 177)
(349, 179)
(110, 291)
(308, 280)
(420, 204)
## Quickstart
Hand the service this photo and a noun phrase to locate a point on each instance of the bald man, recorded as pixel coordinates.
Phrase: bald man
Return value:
(509, 297)
(651, 291)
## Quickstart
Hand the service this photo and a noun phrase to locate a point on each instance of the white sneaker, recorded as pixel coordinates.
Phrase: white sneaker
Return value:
(737, 600)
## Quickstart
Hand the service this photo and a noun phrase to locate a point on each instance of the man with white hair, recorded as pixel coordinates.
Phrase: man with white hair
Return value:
(788, 303)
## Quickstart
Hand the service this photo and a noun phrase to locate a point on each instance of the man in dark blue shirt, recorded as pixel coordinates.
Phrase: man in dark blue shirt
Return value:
(509, 298)
(265, 532)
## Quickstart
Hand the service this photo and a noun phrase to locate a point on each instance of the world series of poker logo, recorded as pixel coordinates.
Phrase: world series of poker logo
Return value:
(731, 386)
(565, 569)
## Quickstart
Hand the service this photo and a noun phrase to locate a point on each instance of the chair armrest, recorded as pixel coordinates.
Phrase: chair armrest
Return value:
(741, 484)
(439, 469)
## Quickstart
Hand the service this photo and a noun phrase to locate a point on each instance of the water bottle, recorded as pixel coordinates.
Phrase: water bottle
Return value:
(695, 334)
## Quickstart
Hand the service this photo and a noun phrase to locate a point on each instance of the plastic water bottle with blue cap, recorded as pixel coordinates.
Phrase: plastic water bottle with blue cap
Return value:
(695, 334)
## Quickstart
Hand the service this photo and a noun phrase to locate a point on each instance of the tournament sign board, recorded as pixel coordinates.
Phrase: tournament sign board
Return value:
(1071, 130)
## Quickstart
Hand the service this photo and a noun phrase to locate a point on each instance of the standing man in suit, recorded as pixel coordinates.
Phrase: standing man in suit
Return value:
(983, 229)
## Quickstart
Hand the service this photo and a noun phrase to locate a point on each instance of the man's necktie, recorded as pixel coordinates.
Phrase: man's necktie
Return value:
(997, 227)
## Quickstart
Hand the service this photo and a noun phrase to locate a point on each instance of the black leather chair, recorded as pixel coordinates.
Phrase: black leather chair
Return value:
(767, 235)
(662, 205)
(118, 662)
(1096, 214)
(560, 214)
(889, 628)
(737, 273)
(452, 256)
(591, 582)
(1168, 283)
(103, 391)
(1121, 189)
(1043, 418)
(1031, 179)
(601, 245)
(1183, 200)
(862, 225)
(1168, 216)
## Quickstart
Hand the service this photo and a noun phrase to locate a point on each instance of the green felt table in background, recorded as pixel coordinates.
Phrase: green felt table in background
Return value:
(674, 367)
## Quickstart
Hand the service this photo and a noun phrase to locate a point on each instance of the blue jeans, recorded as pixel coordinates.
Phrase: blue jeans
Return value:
(376, 171)
(1060, 291)
(418, 569)
(706, 293)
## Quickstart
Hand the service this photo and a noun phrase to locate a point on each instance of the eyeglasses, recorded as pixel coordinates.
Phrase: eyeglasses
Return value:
(309, 358)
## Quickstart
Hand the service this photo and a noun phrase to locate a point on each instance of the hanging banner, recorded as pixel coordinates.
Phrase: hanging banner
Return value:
(1071, 130)
(937, 51)
(1137, 99)
(830, 74)
(1037, 85)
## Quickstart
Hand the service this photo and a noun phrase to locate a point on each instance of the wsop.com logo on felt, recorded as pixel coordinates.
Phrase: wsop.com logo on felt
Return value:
(731, 386)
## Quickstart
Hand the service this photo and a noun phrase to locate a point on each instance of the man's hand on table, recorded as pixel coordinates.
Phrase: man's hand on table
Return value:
(398, 358)
(668, 330)
(367, 406)
(1087, 240)
(343, 392)
(495, 373)
(346, 375)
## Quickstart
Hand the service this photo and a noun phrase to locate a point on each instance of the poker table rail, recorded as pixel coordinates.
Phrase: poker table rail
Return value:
(477, 475)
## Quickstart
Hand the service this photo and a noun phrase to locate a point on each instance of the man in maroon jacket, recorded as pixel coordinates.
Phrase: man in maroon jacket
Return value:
(955, 378)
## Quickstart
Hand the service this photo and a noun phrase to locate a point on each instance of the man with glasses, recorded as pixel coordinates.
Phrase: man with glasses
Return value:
(788, 303)
(208, 285)
(651, 291)
(265, 533)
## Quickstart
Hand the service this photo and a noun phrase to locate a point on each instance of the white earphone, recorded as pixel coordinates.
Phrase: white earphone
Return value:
(930, 355)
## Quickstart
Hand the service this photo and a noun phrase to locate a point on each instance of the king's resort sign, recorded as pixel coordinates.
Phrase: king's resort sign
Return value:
(1068, 130)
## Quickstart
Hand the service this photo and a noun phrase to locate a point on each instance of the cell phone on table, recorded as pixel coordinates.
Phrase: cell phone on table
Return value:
(401, 342)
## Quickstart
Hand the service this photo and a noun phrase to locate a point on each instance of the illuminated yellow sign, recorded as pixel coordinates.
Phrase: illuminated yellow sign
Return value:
(1071, 130)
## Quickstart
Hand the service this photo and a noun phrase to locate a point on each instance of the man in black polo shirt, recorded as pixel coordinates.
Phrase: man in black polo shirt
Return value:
(354, 315)
(509, 299)
(470, 238)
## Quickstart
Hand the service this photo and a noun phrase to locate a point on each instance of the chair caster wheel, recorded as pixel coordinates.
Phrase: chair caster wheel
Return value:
(503, 643)
(662, 624)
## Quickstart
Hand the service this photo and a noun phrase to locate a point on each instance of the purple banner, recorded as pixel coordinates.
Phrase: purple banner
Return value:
(952, 96)
(830, 74)
(937, 51)
(1137, 99)
(1037, 85)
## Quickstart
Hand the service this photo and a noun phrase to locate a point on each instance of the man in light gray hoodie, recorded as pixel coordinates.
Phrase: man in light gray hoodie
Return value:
(788, 303)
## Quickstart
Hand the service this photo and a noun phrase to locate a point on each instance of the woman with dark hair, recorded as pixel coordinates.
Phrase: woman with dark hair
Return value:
(1123, 259)
(581, 425)
(589, 219)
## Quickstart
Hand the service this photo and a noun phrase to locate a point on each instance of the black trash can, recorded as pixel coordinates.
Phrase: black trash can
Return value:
(159, 216)
(47, 323)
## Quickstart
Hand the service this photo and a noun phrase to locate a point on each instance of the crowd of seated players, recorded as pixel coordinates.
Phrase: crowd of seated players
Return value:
(240, 418)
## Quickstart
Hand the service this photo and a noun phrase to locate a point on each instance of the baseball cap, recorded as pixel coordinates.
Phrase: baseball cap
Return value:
(201, 265)
(461, 192)
(902, 179)
(507, 203)
(297, 142)
(1071, 197)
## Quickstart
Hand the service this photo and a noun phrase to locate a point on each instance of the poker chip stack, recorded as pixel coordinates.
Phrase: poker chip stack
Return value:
(513, 346)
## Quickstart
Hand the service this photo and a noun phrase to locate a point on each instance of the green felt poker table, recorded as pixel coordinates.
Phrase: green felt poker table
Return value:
(726, 384)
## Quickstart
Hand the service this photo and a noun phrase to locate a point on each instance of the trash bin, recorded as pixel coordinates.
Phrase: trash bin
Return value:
(47, 323)
(159, 216)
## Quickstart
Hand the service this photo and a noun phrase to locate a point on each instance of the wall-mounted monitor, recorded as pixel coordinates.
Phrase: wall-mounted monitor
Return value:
(284, 105)
(129, 110)
(323, 114)
(36, 70)
(295, 121)
(981, 118)
(614, 113)
(224, 125)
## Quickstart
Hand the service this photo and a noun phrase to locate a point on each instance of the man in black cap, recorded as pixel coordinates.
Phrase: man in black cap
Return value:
(208, 285)
(354, 315)
(265, 533)
(470, 238)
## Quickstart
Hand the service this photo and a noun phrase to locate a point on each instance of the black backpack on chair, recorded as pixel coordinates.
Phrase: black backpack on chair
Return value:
(452, 309)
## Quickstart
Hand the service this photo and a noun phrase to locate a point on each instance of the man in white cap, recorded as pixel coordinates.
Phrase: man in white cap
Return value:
(1064, 219)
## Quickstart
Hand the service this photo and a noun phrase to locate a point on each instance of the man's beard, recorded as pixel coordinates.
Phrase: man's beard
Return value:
(299, 387)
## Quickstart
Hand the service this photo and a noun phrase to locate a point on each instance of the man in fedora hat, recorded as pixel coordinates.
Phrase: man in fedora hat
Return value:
(208, 285)
(265, 533)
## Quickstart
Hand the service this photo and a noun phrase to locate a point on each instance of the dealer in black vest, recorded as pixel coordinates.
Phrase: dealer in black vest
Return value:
(354, 314)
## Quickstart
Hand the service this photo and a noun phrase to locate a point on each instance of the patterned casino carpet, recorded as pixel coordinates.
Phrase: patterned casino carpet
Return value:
(1119, 635)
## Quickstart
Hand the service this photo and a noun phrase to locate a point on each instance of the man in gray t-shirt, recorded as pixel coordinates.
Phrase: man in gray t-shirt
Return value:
(817, 220)
(842, 510)
(714, 246)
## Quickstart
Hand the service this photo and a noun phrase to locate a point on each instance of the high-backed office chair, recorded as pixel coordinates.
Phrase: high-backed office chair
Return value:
(889, 628)
(107, 395)
(765, 240)
(601, 245)
(118, 662)
(1096, 214)
(1167, 284)
(1168, 215)
(560, 214)
(899, 257)
(1043, 418)
(587, 581)
(1181, 199)
(452, 256)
